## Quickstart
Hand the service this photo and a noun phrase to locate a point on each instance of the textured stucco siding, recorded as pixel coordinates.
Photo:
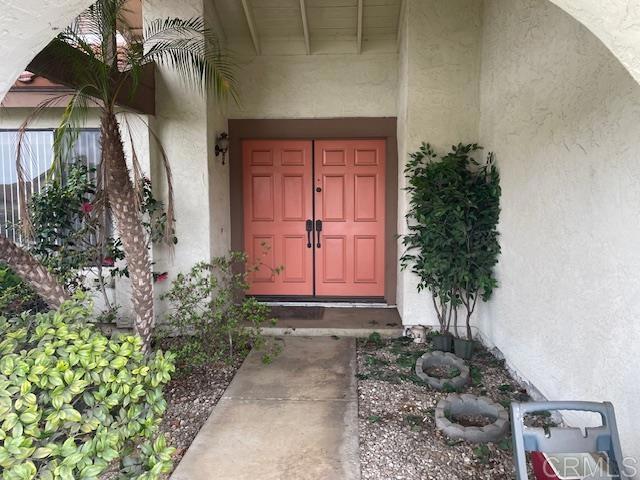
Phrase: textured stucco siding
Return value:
(180, 124)
(562, 115)
(317, 86)
(13, 118)
(438, 102)
(219, 202)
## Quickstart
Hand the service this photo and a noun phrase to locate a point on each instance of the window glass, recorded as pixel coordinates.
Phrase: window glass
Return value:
(37, 158)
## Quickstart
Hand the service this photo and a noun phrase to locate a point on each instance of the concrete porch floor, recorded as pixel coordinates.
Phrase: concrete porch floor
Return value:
(296, 418)
(340, 321)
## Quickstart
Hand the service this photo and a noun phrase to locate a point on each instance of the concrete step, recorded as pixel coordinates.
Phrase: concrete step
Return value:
(331, 332)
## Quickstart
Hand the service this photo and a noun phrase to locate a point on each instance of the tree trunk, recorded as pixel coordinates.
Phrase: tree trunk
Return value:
(33, 272)
(128, 219)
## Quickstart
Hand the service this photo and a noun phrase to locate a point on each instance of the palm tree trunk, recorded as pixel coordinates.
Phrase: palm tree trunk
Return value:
(33, 272)
(128, 219)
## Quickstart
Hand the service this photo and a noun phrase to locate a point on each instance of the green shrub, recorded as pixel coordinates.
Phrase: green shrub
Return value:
(16, 296)
(208, 310)
(72, 235)
(452, 245)
(73, 402)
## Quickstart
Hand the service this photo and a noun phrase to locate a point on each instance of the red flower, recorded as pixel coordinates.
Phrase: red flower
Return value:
(161, 277)
(87, 207)
(108, 262)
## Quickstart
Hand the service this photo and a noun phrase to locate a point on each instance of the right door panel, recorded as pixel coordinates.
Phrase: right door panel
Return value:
(350, 203)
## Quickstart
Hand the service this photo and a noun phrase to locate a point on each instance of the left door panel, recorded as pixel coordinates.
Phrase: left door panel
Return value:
(277, 186)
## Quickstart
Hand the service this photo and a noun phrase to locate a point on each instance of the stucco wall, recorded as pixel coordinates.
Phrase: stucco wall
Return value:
(562, 115)
(317, 86)
(180, 124)
(219, 197)
(438, 102)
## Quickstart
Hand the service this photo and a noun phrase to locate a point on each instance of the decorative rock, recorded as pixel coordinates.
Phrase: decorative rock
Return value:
(442, 359)
(454, 405)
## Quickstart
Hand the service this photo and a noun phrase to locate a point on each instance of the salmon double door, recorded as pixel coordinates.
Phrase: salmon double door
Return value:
(314, 217)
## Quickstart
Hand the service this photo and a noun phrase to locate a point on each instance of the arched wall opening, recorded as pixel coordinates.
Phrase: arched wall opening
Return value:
(26, 28)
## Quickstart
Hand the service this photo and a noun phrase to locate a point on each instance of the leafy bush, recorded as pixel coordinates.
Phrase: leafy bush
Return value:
(16, 296)
(72, 235)
(452, 244)
(206, 308)
(72, 401)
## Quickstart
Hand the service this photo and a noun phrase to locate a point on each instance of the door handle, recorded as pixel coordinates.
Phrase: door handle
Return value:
(309, 228)
(318, 230)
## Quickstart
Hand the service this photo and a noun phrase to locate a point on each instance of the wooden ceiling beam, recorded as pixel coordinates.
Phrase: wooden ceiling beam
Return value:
(403, 6)
(305, 26)
(360, 15)
(252, 26)
(55, 62)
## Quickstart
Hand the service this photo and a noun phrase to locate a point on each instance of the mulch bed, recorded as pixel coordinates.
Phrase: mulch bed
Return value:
(398, 437)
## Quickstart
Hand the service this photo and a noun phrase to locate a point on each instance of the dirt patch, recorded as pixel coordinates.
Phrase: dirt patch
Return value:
(442, 371)
(398, 437)
(472, 420)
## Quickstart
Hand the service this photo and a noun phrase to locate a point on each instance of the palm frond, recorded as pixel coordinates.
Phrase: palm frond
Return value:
(163, 29)
(194, 52)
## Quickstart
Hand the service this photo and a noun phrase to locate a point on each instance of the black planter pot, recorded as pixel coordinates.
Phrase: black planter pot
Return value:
(463, 348)
(442, 343)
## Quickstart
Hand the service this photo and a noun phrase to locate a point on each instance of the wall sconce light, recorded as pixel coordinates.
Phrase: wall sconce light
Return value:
(222, 145)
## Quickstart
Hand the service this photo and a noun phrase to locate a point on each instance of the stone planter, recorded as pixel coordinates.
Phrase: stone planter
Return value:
(454, 405)
(442, 359)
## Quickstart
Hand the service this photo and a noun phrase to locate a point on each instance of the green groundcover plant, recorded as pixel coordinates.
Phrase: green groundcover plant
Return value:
(74, 402)
(210, 318)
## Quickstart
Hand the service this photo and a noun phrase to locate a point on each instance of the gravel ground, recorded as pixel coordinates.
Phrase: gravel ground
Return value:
(190, 399)
(398, 437)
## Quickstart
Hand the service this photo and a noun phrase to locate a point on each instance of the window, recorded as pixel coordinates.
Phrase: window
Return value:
(37, 157)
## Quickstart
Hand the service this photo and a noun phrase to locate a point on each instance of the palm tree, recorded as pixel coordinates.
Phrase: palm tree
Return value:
(112, 61)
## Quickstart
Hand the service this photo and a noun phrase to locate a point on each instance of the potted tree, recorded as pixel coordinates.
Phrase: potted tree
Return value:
(430, 248)
(481, 248)
(452, 242)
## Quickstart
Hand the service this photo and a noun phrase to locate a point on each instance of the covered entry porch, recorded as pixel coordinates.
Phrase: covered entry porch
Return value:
(550, 87)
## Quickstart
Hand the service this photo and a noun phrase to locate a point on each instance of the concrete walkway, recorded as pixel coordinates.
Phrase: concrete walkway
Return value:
(296, 418)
